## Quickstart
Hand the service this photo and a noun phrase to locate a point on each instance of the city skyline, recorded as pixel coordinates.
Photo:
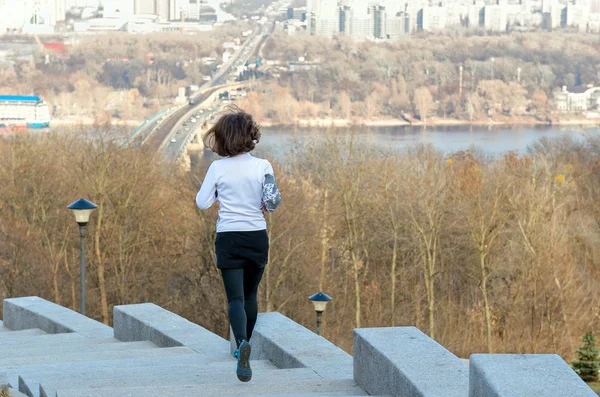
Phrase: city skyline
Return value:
(41, 16)
(388, 19)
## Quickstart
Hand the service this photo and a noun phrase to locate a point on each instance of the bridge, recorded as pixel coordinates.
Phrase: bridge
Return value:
(51, 351)
(171, 131)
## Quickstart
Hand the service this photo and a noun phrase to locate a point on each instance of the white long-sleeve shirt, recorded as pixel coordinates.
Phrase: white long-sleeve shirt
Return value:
(237, 183)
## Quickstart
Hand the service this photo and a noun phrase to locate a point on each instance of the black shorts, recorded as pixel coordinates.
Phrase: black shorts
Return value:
(242, 249)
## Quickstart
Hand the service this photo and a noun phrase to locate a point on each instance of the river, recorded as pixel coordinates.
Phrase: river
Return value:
(493, 141)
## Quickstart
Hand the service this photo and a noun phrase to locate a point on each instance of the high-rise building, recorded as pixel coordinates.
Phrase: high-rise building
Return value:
(82, 3)
(175, 8)
(595, 6)
(413, 8)
(323, 17)
(144, 7)
(554, 15)
(432, 18)
(12, 14)
(453, 13)
(577, 16)
(495, 17)
(398, 25)
(60, 10)
(476, 16)
(52, 11)
(379, 22)
(356, 19)
(161, 8)
(345, 14)
(594, 23)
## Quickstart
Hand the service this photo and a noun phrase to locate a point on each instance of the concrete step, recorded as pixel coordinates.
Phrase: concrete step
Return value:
(233, 389)
(17, 334)
(59, 350)
(16, 393)
(156, 368)
(96, 356)
(76, 341)
(30, 379)
(322, 394)
(49, 389)
(40, 339)
(79, 367)
(118, 364)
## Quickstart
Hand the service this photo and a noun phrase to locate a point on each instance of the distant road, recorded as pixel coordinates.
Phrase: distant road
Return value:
(182, 130)
(171, 132)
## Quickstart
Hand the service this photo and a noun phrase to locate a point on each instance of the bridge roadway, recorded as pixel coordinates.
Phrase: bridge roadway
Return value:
(174, 150)
(159, 133)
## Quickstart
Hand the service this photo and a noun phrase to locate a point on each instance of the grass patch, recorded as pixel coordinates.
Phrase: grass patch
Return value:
(595, 387)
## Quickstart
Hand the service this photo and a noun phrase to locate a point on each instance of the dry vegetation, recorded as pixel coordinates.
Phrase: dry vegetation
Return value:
(419, 76)
(108, 75)
(484, 255)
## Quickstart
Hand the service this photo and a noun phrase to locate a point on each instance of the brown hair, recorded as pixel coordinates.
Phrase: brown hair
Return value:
(234, 133)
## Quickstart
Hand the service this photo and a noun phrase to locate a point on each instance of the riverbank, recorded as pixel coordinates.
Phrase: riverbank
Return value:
(390, 122)
(434, 122)
(87, 121)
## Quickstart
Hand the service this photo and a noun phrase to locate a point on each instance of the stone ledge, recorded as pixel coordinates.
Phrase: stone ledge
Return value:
(150, 322)
(288, 344)
(403, 361)
(34, 312)
(524, 375)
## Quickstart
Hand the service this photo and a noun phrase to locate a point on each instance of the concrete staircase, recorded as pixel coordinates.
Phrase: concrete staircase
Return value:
(78, 364)
(49, 351)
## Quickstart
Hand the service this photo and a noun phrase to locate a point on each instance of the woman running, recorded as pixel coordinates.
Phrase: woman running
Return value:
(245, 188)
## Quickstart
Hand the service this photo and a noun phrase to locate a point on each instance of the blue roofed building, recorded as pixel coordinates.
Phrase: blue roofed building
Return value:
(17, 111)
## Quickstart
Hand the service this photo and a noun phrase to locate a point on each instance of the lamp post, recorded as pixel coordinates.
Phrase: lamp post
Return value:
(320, 300)
(82, 210)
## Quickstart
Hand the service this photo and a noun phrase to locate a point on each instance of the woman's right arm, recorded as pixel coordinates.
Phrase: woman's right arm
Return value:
(208, 192)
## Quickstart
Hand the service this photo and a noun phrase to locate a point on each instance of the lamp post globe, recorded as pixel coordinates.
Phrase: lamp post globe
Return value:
(82, 210)
(320, 301)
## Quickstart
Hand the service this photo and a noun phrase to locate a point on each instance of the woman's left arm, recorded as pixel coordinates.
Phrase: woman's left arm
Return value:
(271, 196)
(208, 192)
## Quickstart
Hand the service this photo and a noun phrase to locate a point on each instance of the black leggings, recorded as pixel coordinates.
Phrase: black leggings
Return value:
(241, 287)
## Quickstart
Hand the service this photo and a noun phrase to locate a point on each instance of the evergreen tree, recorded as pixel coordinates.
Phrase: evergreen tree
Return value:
(587, 364)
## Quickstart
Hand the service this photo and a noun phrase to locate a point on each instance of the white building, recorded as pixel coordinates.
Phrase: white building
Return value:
(578, 99)
(361, 21)
(380, 18)
(577, 16)
(454, 13)
(143, 24)
(226, 56)
(558, 13)
(594, 23)
(476, 14)
(432, 19)
(323, 17)
(162, 9)
(82, 3)
(191, 9)
(144, 7)
(495, 17)
(398, 25)
(35, 16)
